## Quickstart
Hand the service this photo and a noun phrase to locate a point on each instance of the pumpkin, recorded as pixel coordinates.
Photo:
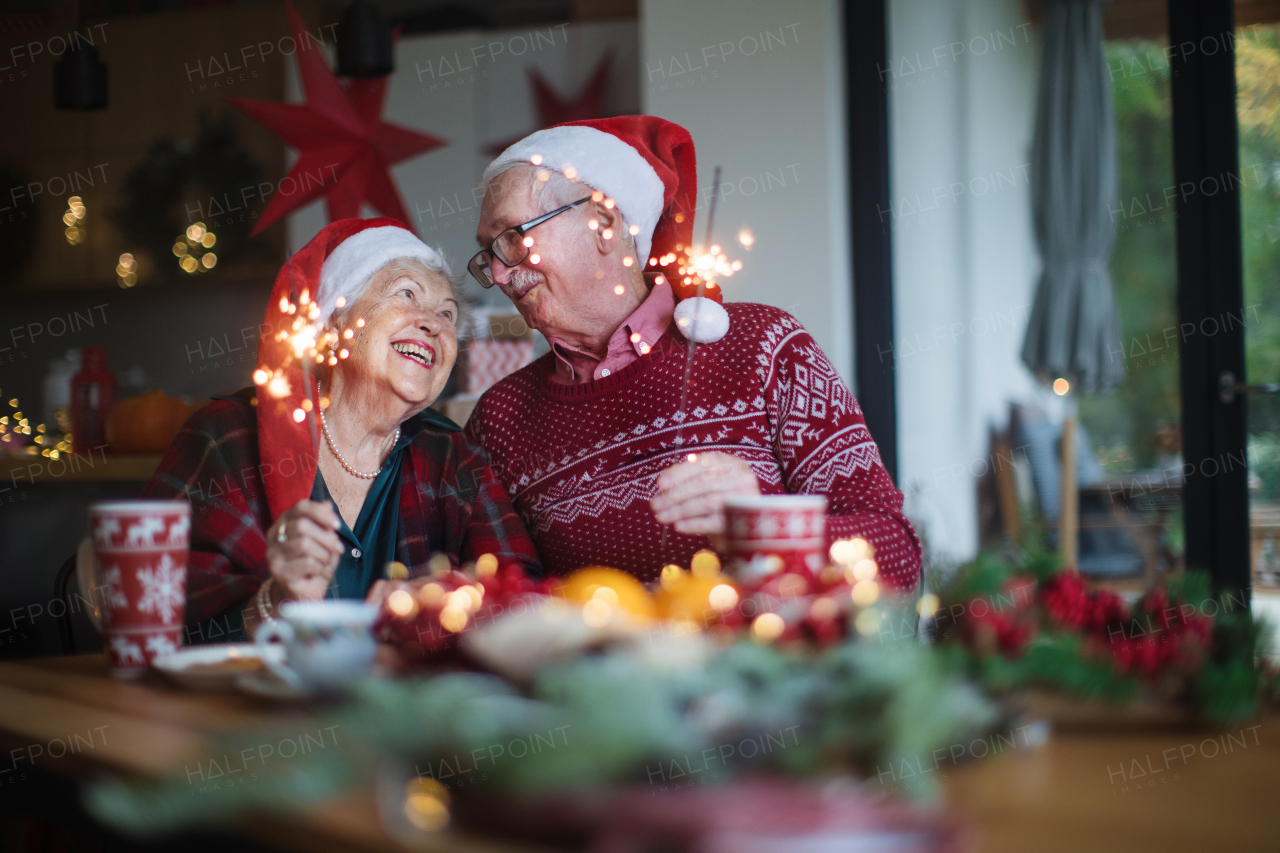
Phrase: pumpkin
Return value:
(146, 423)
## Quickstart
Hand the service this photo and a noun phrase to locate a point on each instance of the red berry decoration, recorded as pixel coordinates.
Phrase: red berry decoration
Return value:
(424, 625)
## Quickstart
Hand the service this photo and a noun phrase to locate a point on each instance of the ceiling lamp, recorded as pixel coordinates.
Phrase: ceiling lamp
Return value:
(80, 79)
(364, 42)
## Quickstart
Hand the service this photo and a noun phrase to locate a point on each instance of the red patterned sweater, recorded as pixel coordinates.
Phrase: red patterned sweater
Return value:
(580, 461)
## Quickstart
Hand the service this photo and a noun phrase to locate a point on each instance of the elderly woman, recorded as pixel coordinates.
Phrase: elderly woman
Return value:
(311, 484)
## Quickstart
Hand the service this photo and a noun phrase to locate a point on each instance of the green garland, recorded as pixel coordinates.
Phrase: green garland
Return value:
(178, 184)
(1225, 689)
(863, 707)
(855, 708)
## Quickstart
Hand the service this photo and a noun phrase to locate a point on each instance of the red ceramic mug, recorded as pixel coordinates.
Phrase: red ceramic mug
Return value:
(140, 578)
(767, 534)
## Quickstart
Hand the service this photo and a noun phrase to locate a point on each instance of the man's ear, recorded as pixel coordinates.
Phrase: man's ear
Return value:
(610, 231)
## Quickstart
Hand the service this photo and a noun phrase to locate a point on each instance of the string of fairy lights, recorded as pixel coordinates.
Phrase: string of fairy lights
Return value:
(193, 249)
(73, 218)
(18, 434)
(707, 593)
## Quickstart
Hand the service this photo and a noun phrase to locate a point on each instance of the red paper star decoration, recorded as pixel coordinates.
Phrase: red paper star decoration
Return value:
(345, 148)
(552, 109)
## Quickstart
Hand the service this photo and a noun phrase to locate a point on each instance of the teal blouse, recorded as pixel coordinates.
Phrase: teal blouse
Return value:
(371, 544)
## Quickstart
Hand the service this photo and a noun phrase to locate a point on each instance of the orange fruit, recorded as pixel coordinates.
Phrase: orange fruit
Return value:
(691, 600)
(616, 588)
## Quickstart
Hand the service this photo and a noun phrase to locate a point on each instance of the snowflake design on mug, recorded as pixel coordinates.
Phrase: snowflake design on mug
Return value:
(164, 588)
(113, 597)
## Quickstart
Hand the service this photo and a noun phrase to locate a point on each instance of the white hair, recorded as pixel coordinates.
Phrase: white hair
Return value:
(557, 191)
(392, 270)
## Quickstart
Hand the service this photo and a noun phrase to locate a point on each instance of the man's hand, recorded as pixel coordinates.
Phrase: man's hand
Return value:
(691, 495)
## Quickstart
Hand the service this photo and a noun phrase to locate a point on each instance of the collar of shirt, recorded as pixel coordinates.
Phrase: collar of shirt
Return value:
(640, 331)
(370, 543)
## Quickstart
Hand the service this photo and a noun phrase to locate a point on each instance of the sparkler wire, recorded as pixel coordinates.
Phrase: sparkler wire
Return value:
(693, 330)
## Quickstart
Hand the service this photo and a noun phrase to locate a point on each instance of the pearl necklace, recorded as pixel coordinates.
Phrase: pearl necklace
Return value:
(342, 460)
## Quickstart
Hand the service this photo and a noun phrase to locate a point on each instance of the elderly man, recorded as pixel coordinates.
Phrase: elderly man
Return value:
(582, 227)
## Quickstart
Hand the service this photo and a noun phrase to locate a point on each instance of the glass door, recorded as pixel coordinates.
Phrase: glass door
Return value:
(1131, 497)
(1257, 63)
(1160, 461)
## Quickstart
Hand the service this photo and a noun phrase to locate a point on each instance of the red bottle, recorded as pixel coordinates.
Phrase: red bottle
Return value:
(93, 392)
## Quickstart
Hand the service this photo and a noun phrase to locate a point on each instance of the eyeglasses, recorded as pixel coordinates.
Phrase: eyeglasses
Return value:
(511, 247)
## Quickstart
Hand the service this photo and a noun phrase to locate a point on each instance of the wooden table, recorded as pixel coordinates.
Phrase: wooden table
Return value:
(1163, 791)
(153, 730)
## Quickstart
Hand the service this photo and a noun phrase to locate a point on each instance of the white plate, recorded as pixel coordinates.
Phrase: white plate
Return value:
(265, 684)
(188, 667)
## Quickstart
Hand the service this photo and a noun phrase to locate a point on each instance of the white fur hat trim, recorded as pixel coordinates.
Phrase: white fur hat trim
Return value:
(347, 270)
(600, 160)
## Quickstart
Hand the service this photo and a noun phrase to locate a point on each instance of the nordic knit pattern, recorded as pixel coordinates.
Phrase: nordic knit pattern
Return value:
(580, 461)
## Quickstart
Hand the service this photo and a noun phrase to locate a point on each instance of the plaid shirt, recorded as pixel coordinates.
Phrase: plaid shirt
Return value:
(450, 502)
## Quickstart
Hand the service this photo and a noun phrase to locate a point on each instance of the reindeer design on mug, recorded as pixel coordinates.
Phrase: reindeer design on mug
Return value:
(143, 534)
(105, 531)
(126, 651)
(158, 644)
(178, 531)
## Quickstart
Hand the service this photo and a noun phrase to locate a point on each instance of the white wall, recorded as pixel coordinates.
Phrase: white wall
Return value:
(759, 84)
(962, 80)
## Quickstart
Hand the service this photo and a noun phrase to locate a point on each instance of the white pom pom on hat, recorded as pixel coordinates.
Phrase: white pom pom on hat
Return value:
(702, 320)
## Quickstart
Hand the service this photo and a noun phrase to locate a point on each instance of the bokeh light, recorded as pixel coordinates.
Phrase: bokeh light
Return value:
(767, 627)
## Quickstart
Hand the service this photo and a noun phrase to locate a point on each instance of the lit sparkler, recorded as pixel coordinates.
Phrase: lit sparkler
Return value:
(701, 267)
(309, 343)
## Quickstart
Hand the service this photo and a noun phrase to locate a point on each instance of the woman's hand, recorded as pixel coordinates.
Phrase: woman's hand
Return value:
(303, 550)
(691, 495)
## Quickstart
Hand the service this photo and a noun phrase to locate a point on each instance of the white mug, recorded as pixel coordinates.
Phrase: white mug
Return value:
(329, 646)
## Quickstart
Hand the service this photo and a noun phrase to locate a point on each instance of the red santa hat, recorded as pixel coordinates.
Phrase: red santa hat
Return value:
(645, 164)
(336, 265)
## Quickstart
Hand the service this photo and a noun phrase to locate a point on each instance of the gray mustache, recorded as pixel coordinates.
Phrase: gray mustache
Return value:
(522, 278)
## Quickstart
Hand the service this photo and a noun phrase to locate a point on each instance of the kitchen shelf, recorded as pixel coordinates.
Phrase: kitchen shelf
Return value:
(92, 467)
